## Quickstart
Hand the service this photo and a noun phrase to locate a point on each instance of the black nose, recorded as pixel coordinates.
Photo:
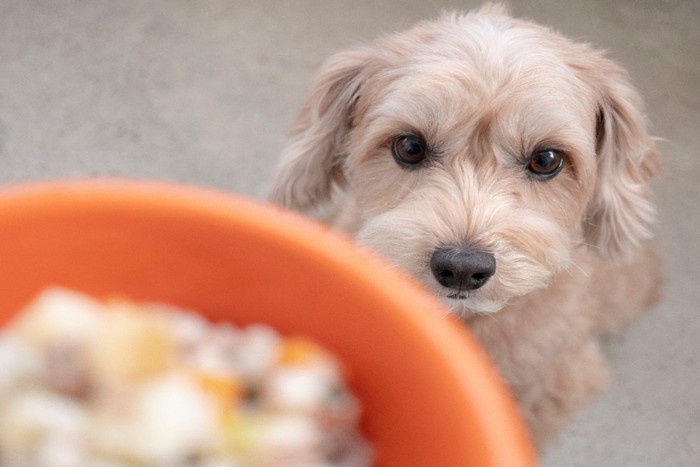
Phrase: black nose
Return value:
(462, 268)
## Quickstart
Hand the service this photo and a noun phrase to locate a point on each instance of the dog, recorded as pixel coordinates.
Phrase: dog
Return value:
(505, 167)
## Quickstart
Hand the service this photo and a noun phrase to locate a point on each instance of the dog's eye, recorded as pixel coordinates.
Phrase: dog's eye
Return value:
(546, 163)
(409, 150)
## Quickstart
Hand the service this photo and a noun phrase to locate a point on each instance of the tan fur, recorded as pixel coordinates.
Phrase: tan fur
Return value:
(486, 91)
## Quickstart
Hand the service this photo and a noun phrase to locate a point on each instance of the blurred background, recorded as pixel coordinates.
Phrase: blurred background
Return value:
(204, 92)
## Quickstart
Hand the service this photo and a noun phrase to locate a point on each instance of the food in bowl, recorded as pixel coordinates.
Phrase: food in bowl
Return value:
(116, 383)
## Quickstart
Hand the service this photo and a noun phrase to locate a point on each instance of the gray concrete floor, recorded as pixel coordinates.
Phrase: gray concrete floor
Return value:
(205, 91)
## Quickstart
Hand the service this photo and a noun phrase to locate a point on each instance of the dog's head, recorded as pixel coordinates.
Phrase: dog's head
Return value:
(479, 151)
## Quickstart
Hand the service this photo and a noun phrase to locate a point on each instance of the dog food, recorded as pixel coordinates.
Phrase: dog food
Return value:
(114, 383)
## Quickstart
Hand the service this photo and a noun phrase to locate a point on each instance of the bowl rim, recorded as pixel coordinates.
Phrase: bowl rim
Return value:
(498, 415)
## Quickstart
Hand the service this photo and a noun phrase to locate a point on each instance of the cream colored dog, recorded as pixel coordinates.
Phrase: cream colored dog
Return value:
(505, 167)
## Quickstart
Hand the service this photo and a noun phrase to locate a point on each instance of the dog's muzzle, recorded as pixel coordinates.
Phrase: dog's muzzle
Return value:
(462, 268)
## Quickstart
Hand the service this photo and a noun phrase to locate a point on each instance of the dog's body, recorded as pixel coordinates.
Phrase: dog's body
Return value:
(508, 170)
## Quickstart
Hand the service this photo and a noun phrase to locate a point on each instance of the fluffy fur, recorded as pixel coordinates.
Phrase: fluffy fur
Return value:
(485, 92)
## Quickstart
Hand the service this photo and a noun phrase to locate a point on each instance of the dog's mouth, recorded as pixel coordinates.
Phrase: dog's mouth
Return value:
(457, 296)
(466, 303)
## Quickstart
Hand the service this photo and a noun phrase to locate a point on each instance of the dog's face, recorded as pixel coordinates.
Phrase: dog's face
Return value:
(479, 151)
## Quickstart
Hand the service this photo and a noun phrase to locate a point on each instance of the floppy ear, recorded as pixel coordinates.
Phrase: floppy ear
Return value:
(311, 162)
(620, 212)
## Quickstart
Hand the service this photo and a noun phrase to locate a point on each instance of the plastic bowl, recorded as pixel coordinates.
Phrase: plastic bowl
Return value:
(429, 393)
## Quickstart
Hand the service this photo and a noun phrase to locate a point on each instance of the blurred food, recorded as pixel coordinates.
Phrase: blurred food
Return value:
(115, 383)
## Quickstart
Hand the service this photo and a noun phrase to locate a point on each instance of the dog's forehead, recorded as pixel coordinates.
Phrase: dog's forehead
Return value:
(492, 44)
(479, 58)
(456, 73)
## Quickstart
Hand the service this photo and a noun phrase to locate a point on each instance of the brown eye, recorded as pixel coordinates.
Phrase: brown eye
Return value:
(409, 150)
(546, 164)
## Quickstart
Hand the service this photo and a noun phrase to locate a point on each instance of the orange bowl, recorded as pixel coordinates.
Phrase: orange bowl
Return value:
(429, 393)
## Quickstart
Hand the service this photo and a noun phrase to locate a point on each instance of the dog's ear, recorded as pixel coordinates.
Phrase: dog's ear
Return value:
(311, 163)
(620, 212)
